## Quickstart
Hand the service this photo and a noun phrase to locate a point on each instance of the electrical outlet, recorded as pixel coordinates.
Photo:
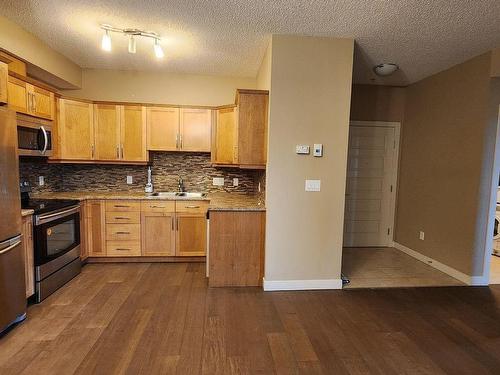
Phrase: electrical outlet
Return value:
(218, 181)
(421, 235)
(236, 181)
(41, 180)
(130, 180)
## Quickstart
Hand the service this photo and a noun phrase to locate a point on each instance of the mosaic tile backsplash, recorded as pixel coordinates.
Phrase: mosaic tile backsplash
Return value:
(194, 168)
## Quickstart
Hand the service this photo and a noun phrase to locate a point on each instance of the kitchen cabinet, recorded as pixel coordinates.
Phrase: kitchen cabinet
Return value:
(4, 77)
(28, 254)
(162, 128)
(133, 133)
(195, 129)
(236, 248)
(225, 137)
(174, 129)
(75, 128)
(26, 98)
(123, 228)
(107, 132)
(158, 228)
(95, 235)
(84, 225)
(240, 138)
(191, 234)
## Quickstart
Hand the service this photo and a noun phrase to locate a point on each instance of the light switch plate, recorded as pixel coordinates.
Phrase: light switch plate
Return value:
(313, 185)
(302, 149)
(318, 150)
(41, 180)
(218, 181)
(236, 181)
(130, 180)
(421, 235)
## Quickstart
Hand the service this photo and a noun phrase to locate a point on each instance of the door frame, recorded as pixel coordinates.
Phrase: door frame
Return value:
(395, 171)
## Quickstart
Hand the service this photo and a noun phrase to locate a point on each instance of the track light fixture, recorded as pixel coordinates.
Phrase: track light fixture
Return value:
(132, 34)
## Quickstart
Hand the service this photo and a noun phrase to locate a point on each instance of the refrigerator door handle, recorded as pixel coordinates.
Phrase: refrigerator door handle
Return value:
(17, 241)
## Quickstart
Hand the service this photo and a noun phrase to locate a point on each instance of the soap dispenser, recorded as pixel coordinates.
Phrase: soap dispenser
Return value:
(149, 186)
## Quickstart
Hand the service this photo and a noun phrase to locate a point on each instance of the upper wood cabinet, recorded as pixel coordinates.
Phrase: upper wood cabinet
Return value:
(30, 99)
(225, 149)
(240, 132)
(195, 129)
(4, 76)
(162, 128)
(252, 127)
(107, 132)
(174, 129)
(75, 129)
(133, 133)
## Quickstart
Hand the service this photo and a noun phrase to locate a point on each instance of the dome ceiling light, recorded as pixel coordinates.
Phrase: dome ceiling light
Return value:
(385, 69)
(132, 34)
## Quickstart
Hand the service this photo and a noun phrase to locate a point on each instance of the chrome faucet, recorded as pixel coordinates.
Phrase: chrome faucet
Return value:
(181, 185)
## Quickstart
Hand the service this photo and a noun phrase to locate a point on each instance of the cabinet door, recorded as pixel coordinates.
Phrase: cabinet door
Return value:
(76, 130)
(191, 235)
(224, 143)
(133, 133)
(158, 235)
(195, 129)
(42, 102)
(252, 128)
(162, 128)
(95, 233)
(4, 75)
(107, 132)
(17, 95)
(28, 253)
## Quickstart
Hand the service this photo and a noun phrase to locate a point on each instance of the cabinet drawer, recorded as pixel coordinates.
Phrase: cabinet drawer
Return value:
(123, 232)
(158, 206)
(123, 248)
(123, 206)
(123, 217)
(191, 206)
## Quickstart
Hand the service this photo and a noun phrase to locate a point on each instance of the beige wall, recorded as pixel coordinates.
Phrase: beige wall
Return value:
(309, 103)
(264, 73)
(161, 88)
(444, 155)
(377, 103)
(51, 66)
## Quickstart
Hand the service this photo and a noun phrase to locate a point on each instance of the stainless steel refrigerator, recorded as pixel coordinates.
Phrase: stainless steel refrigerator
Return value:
(12, 284)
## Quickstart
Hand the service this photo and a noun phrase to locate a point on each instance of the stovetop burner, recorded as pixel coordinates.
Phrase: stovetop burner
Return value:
(41, 206)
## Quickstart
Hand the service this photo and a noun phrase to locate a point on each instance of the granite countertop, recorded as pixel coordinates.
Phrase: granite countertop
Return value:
(218, 201)
(26, 212)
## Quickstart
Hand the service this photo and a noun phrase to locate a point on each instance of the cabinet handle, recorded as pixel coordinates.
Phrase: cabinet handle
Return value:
(122, 218)
(118, 152)
(122, 249)
(180, 139)
(121, 206)
(177, 224)
(34, 101)
(122, 233)
(172, 224)
(157, 206)
(192, 206)
(177, 141)
(122, 151)
(29, 102)
(92, 147)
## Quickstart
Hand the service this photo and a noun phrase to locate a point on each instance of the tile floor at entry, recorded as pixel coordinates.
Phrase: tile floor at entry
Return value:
(387, 267)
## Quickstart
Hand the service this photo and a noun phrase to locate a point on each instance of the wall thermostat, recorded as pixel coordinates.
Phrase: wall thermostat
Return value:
(302, 149)
(318, 150)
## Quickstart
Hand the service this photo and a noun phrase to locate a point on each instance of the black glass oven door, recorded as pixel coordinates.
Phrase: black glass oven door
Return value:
(57, 237)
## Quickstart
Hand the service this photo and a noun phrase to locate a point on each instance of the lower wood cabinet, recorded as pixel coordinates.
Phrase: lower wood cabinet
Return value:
(95, 234)
(158, 235)
(191, 235)
(28, 253)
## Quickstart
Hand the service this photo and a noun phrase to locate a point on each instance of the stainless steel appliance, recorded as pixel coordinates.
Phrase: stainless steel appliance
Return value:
(56, 238)
(34, 136)
(12, 286)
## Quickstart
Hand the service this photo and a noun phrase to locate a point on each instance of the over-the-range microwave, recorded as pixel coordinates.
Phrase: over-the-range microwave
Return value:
(34, 136)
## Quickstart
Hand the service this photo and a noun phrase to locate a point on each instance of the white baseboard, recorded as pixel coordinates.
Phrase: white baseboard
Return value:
(276, 285)
(467, 279)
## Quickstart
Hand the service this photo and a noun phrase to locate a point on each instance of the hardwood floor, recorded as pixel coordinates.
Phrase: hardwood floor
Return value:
(162, 319)
(387, 267)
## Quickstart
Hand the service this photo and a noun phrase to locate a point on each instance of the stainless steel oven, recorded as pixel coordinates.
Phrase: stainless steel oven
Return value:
(57, 249)
(34, 136)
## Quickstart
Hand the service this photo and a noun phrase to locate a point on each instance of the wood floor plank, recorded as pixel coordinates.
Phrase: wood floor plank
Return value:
(161, 318)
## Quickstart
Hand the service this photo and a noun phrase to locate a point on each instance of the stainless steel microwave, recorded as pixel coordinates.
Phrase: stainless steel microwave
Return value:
(34, 136)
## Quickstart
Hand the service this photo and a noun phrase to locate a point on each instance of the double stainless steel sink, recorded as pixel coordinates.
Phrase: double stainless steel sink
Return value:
(178, 194)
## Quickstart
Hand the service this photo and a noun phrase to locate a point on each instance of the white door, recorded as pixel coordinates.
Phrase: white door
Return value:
(369, 194)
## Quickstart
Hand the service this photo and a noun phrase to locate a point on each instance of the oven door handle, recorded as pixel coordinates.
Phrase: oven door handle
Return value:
(42, 219)
(46, 140)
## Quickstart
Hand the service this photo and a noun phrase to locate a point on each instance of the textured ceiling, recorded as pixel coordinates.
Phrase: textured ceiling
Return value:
(229, 37)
